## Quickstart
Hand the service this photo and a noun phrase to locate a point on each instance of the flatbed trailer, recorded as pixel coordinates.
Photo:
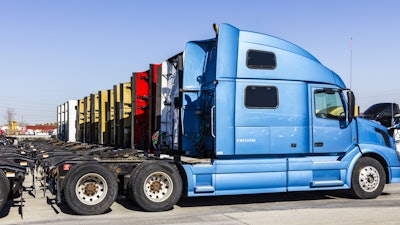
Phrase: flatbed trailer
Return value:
(14, 164)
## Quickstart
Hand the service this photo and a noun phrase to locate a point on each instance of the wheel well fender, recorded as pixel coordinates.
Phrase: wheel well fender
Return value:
(375, 156)
(382, 161)
(351, 166)
(184, 178)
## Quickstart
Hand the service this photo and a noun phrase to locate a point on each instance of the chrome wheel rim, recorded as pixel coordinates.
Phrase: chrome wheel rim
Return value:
(369, 178)
(91, 189)
(158, 186)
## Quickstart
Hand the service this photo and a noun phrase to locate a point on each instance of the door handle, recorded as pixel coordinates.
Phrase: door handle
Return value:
(318, 144)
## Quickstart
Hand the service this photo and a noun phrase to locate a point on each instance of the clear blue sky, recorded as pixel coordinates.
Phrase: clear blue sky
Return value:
(54, 51)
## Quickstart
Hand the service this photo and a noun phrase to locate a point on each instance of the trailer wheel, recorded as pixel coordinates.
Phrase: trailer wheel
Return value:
(15, 186)
(4, 189)
(90, 189)
(129, 191)
(368, 178)
(155, 186)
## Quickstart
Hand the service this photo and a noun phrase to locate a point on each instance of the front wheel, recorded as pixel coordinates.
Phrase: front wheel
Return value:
(155, 186)
(90, 189)
(368, 178)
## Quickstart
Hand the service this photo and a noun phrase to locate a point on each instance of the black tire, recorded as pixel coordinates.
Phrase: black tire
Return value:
(15, 187)
(4, 189)
(368, 178)
(129, 190)
(155, 186)
(90, 189)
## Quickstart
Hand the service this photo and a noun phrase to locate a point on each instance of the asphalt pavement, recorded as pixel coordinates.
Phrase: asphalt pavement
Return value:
(331, 207)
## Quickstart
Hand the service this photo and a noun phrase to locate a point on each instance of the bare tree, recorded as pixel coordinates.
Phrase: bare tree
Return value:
(22, 123)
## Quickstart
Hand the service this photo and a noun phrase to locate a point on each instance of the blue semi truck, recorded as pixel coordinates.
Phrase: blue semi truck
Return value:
(241, 113)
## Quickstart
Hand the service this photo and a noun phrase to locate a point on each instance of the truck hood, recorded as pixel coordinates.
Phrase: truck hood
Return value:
(370, 132)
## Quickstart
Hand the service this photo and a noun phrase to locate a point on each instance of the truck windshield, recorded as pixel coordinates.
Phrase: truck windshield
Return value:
(328, 105)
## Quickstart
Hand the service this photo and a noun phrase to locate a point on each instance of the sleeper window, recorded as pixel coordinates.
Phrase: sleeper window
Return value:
(260, 60)
(261, 97)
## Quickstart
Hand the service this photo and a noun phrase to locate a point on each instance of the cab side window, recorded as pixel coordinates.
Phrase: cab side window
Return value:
(328, 104)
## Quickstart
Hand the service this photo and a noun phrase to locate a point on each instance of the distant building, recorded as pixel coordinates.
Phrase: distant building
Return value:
(41, 129)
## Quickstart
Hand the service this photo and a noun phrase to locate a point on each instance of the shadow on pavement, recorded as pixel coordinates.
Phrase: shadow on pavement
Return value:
(263, 198)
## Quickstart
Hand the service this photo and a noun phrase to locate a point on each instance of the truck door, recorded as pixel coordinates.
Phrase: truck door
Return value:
(331, 132)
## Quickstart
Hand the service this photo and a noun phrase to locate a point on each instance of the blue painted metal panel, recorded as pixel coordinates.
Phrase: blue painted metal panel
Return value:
(250, 176)
(194, 63)
(388, 154)
(327, 174)
(330, 134)
(281, 140)
(374, 139)
(275, 42)
(299, 180)
(190, 179)
(252, 140)
(250, 165)
(224, 118)
(199, 65)
(280, 130)
(225, 91)
(290, 139)
(316, 163)
(351, 157)
(308, 173)
(250, 183)
(293, 62)
(292, 109)
(394, 174)
(237, 177)
(199, 178)
(368, 134)
(227, 51)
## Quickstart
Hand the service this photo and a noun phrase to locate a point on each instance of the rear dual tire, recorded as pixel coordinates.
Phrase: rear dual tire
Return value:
(90, 189)
(155, 186)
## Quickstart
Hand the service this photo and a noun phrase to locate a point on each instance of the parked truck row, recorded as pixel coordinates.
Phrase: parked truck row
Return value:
(15, 162)
(240, 113)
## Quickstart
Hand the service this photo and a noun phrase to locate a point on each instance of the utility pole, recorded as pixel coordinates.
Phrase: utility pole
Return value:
(351, 61)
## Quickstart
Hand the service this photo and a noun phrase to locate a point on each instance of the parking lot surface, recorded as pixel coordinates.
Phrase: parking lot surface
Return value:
(335, 207)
